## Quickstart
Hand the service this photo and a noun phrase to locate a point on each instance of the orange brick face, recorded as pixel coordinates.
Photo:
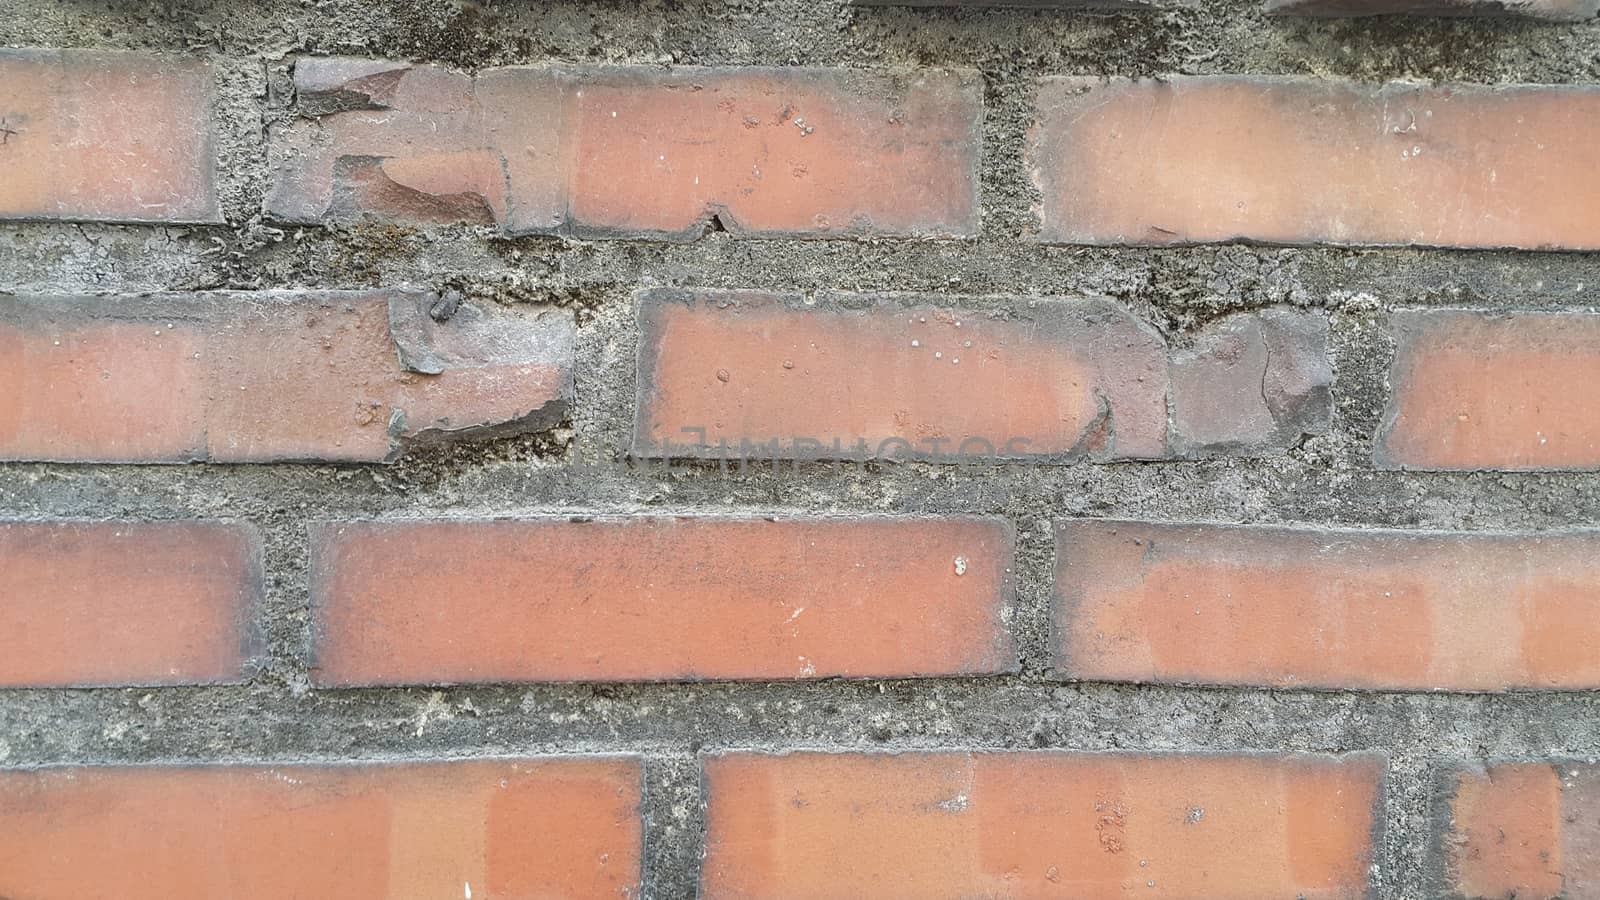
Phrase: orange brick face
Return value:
(1326, 608)
(731, 375)
(621, 151)
(93, 135)
(659, 600)
(489, 828)
(1477, 390)
(1310, 161)
(934, 825)
(127, 603)
(1521, 831)
(264, 377)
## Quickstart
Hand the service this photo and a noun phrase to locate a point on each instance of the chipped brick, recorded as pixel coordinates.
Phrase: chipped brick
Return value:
(618, 151)
(727, 375)
(276, 376)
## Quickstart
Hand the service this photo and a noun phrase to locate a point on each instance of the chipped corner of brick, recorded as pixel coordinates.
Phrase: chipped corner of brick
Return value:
(328, 85)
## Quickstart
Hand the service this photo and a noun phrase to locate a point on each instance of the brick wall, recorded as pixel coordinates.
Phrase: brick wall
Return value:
(795, 448)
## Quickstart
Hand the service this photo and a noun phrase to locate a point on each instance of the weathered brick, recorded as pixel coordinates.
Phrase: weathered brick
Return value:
(1250, 384)
(539, 827)
(659, 599)
(731, 375)
(126, 603)
(1328, 608)
(1051, 824)
(1553, 10)
(1315, 161)
(270, 376)
(93, 135)
(1476, 390)
(1519, 831)
(601, 151)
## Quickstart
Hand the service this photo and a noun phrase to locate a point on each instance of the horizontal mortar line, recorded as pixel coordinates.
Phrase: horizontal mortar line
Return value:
(273, 513)
(1404, 756)
(1030, 692)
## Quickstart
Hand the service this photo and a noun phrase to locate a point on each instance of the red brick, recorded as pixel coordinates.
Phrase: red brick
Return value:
(273, 376)
(493, 828)
(1312, 161)
(603, 151)
(1474, 390)
(1521, 831)
(127, 603)
(119, 137)
(1554, 10)
(956, 825)
(437, 602)
(1327, 608)
(732, 375)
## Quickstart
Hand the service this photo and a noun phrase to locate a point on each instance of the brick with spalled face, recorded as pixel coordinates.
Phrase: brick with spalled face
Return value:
(1479, 390)
(1327, 608)
(735, 375)
(1187, 160)
(407, 141)
(92, 135)
(1050, 824)
(1519, 831)
(127, 603)
(1250, 384)
(658, 599)
(337, 376)
(536, 827)
(620, 151)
